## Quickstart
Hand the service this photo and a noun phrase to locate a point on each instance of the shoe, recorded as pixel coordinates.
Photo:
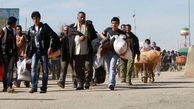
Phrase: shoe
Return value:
(129, 84)
(111, 87)
(42, 91)
(53, 78)
(80, 86)
(33, 90)
(87, 85)
(10, 90)
(123, 80)
(4, 89)
(93, 83)
(27, 85)
(60, 84)
(16, 84)
(74, 84)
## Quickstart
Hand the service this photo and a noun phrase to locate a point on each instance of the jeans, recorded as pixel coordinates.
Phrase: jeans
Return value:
(8, 61)
(111, 62)
(44, 61)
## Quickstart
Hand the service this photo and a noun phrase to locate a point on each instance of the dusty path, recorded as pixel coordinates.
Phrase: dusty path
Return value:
(170, 91)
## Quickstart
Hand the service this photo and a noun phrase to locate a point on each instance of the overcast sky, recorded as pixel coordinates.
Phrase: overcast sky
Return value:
(160, 20)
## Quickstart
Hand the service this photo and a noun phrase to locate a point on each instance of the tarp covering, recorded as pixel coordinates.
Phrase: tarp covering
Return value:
(183, 50)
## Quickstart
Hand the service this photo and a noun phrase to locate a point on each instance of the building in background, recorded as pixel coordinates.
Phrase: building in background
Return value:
(5, 13)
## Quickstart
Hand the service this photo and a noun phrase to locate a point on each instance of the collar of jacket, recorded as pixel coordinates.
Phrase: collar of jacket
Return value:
(40, 25)
(77, 24)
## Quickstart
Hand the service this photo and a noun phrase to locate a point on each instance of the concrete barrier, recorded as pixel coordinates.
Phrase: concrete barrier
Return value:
(189, 70)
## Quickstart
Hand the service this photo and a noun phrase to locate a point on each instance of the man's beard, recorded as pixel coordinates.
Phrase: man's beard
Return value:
(82, 22)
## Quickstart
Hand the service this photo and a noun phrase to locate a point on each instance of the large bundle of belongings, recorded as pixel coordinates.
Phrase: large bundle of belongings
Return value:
(24, 69)
(151, 56)
(181, 60)
(122, 48)
(147, 63)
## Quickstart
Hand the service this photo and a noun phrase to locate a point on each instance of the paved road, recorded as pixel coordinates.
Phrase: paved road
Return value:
(170, 91)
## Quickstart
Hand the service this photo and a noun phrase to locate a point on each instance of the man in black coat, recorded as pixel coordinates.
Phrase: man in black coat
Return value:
(154, 47)
(41, 41)
(65, 59)
(81, 35)
(127, 65)
(8, 51)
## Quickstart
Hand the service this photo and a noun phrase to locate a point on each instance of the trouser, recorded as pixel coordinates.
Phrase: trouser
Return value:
(126, 69)
(123, 68)
(111, 63)
(44, 61)
(8, 60)
(64, 65)
(83, 68)
(56, 67)
(174, 65)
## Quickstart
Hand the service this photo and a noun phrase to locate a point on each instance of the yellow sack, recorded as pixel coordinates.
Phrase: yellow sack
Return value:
(55, 54)
(151, 56)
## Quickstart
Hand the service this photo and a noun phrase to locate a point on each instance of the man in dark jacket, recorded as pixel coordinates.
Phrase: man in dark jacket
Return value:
(81, 35)
(126, 66)
(154, 47)
(40, 43)
(8, 52)
(65, 58)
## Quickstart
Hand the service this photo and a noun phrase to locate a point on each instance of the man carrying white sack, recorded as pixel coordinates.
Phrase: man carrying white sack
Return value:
(127, 65)
(111, 57)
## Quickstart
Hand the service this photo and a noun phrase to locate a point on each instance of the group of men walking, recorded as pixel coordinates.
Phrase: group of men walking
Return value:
(75, 43)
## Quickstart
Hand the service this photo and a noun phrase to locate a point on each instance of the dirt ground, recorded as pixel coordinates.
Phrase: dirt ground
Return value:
(170, 91)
